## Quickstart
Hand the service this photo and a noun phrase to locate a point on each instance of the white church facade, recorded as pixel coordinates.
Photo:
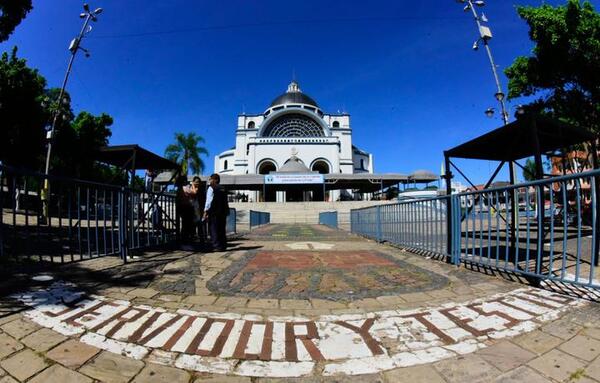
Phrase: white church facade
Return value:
(294, 136)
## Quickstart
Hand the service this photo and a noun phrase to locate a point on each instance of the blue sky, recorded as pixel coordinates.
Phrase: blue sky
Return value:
(404, 70)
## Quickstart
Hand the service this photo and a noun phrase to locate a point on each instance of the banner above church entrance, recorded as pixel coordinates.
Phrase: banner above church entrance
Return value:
(287, 179)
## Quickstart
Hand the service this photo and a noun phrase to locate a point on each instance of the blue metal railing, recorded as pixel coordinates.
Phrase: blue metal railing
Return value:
(258, 218)
(329, 218)
(543, 230)
(418, 225)
(77, 219)
(558, 241)
(231, 221)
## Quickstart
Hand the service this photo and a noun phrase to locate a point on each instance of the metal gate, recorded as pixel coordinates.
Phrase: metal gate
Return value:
(65, 220)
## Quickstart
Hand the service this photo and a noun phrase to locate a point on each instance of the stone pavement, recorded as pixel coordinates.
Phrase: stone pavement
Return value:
(292, 303)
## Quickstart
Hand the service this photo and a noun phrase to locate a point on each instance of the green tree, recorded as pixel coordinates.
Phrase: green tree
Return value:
(563, 72)
(22, 115)
(12, 12)
(186, 151)
(529, 170)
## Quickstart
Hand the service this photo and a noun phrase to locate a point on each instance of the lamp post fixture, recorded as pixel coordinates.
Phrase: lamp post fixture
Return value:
(485, 35)
(74, 47)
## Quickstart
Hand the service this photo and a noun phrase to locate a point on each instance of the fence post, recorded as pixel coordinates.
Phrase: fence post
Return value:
(455, 229)
(378, 223)
(122, 219)
(450, 227)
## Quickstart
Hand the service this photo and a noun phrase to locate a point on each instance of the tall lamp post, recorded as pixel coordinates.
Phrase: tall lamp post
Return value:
(74, 47)
(485, 35)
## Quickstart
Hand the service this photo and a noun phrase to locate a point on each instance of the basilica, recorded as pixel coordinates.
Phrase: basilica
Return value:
(296, 143)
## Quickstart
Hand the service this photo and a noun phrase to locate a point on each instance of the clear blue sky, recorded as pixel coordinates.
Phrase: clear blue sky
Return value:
(404, 70)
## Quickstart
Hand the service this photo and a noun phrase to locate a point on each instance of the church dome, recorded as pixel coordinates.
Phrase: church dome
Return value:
(293, 96)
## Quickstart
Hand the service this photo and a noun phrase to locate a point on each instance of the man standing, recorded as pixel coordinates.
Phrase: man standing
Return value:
(216, 211)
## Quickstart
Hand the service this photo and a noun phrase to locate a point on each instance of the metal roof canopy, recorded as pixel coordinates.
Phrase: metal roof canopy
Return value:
(529, 136)
(133, 157)
(522, 138)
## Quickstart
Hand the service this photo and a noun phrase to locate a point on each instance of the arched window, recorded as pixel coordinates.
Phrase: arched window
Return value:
(225, 165)
(336, 124)
(266, 167)
(293, 125)
(321, 166)
(251, 125)
(362, 164)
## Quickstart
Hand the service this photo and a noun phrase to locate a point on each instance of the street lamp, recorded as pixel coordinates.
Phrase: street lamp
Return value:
(74, 47)
(485, 35)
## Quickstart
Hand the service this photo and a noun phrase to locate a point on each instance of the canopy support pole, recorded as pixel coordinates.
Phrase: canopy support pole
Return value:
(449, 232)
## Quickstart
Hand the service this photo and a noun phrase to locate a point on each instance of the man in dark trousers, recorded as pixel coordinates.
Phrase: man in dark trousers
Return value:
(216, 211)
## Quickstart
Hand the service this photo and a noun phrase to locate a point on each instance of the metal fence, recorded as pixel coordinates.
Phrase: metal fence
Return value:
(76, 220)
(231, 221)
(543, 230)
(553, 235)
(258, 218)
(329, 218)
(417, 225)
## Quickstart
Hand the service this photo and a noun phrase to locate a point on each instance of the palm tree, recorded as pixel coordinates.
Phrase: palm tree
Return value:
(186, 151)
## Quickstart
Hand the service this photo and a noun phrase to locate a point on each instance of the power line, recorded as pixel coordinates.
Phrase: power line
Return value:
(274, 23)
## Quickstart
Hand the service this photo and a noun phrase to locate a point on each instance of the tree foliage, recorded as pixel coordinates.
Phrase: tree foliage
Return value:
(27, 108)
(563, 72)
(22, 91)
(529, 170)
(12, 12)
(186, 151)
(76, 144)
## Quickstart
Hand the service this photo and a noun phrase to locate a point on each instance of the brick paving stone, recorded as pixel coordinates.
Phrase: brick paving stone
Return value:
(312, 313)
(593, 369)
(390, 300)
(442, 293)
(200, 299)
(207, 378)
(594, 332)
(7, 379)
(415, 297)
(24, 364)
(295, 304)
(262, 304)
(234, 302)
(327, 304)
(19, 328)
(537, 341)
(505, 355)
(58, 373)
(169, 298)
(470, 368)
(556, 365)
(582, 346)
(143, 293)
(562, 328)
(156, 373)
(366, 303)
(8, 345)
(522, 374)
(413, 375)
(9, 318)
(43, 340)
(370, 378)
(72, 353)
(108, 367)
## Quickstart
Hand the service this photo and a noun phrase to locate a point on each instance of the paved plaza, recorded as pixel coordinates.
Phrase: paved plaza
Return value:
(296, 303)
